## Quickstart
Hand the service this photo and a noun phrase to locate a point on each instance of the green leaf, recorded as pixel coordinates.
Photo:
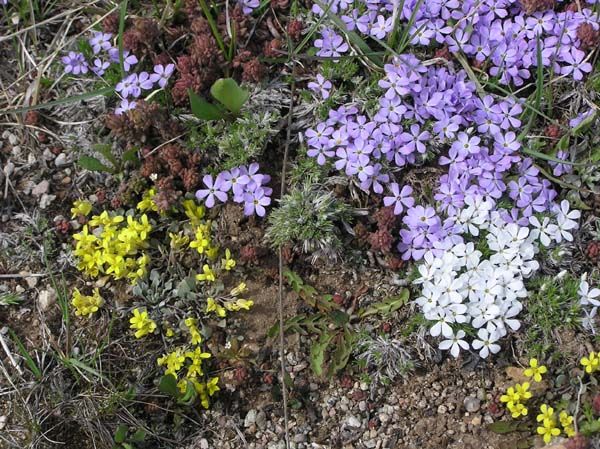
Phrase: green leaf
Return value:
(189, 396)
(338, 317)
(122, 15)
(585, 123)
(121, 433)
(387, 307)
(229, 94)
(202, 109)
(563, 143)
(105, 150)
(61, 101)
(343, 350)
(168, 385)
(127, 446)
(92, 164)
(294, 280)
(317, 353)
(139, 436)
(28, 359)
(502, 427)
(131, 156)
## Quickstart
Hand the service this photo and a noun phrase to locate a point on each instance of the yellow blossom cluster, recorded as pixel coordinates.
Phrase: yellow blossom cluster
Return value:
(147, 203)
(516, 396)
(231, 302)
(86, 305)
(81, 208)
(185, 364)
(142, 323)
(113, 244)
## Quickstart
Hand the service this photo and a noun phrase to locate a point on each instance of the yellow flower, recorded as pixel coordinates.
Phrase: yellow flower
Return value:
(566, 421)
(81, 207)
(548, 430)
(178, 240)
(213, 306)
(239, 304)
(200, 242)
(169, 332)
(511, 397)
(147, 202)
(228, 263)
(546, 415)
(86, 305)
(523, 391)
(193, 211)
(591, 363)
(208, 275)
(143, 324)
(211, 386)
(517, 409)
(173, 360)
(196, 356)
(241, 288)
(535, 371)
(212, 253)
(195, 336)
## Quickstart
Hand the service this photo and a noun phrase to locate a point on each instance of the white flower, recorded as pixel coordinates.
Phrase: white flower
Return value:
(441, 326)
(566, 221)
(454, 344)
(587, 296)
(544, 230)
(588, 320)
(485, 344)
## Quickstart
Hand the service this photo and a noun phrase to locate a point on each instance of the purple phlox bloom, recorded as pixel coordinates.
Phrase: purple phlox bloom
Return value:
(419, 216)
(377, 180)
(125, 106)
(360, 166)
(466, 145)
(382, 27)
(128, 59)
(100, 66)
(509, 111)
(321, 151)
(395, 84)
(575, 122)
(321, 86)
(249, 5)
(558, 168)
(319, 135)
(507, 143)
(521, 192)
(255, 179)
(75, 63)
(145, 81)
(413, 140)
(213, 190)
(237, 181)
(576, 64)
(446, 127)
(100, 41)
(330, 44)
(255, 202)
(400, 198)
(162, 74)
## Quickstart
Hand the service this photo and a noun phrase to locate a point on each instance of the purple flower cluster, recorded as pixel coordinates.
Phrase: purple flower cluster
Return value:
(424, 105)
(497, 34)
(132, 85)
(246, 185)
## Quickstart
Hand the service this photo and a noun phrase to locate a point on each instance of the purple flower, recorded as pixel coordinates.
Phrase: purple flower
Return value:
(100, 66)
(129, 86)
(100, 41)
(507, 143)
(558, 168)
(321, 151)
(382, 27)
(128, 59)
(419, 216)
(576, 64)
(248, 6)
(162, 74)
(125, 106)
(330, 44)
(75, 63)
(145, 81)
(400, 198)
(321, 86)
(213, 189)
(413, 140)
(255, 202)
(237, 181)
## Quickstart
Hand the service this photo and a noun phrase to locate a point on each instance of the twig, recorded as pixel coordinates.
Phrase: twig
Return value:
(9, 354)
(579, 393)
(280, 295)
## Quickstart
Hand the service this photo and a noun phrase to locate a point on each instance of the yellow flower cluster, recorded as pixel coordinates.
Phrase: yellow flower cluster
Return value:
(190, 360)
(549, 428)
(591, 363)
(142, 323)
(86, 305)
(147, 203)
(516, 396)
(230, 302)
(113, 245)
(81, 208)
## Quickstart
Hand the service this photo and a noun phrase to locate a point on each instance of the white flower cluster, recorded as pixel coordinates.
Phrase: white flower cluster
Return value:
(462, 288)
